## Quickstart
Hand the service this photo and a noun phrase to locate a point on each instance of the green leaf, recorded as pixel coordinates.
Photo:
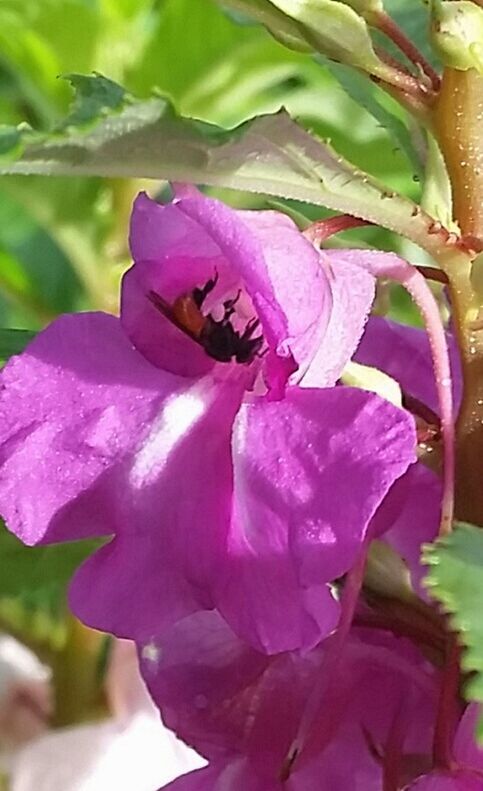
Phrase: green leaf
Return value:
(9, 139)
(33, 570)
(437, 196)
(368, 96)
(14, 342)
(455, 578)
(93, 95)
(271, 155)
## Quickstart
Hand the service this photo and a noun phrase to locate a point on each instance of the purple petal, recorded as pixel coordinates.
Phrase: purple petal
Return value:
(153, 333)
(446, 781)
(235, 775)
(206, 681)
(176, 515)
(310, 471)
(72, 406)
(404, 353)
(300, 284)
(352, 293)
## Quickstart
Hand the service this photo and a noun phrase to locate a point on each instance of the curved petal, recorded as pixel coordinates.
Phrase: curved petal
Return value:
(300, 284)
(176, 512)
(192, 671)
(353, 291)
(448, 781)
(72, 406)
(404, 353)
(152, 332)
(309, 474)
(182, 244)
(410, 516)
(230, 776)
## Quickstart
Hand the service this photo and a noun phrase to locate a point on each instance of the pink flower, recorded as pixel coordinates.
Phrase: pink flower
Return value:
(202, 429)
(244, 711)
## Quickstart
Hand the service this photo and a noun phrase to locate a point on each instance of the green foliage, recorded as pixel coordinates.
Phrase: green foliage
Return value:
(455, 578)
(93, 96)
(35, 572)
(13, 342)
(270, 154)
(212, 68)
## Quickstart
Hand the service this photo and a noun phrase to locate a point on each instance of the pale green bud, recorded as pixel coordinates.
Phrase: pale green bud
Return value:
(374, 380)
(281, 27)
(335, 30)
(457, 33)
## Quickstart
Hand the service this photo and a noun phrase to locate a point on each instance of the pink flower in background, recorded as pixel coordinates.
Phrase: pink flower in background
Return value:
(202, 429)
(26, 700)
(131, 751)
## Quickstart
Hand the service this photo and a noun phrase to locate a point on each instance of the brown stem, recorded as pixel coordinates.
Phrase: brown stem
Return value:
(448, 708)
(459, 122)
(388, 26)
(458, 117)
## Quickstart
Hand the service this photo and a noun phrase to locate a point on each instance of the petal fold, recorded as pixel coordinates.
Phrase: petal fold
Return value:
(309, 473)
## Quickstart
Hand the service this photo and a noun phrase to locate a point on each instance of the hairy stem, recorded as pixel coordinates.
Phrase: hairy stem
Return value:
(458, 120)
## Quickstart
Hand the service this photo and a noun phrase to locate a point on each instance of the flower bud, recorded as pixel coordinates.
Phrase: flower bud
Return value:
(335, 30)
(281, 26)
(457, 33)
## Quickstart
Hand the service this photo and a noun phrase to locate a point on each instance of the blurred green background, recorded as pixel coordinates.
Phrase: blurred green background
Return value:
(63, 241)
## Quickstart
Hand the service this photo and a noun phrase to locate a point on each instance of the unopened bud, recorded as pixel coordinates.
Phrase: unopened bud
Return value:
(457, 33)
(335, 30)
(280, 25)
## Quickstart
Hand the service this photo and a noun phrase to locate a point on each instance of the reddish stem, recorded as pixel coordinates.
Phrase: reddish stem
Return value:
(321, 230)
(389, 27)
(401, 78)
(447, 715)
(390, 266)
(394, 750)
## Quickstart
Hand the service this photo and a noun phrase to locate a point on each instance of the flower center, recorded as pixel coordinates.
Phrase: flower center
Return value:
(218, 337)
